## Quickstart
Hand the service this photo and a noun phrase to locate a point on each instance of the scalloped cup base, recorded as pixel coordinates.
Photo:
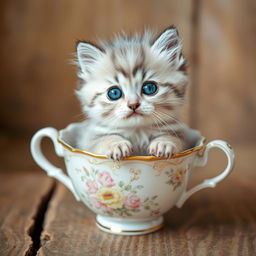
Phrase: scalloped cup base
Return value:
(128, 227)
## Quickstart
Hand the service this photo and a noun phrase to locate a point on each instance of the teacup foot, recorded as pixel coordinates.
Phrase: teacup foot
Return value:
(129, 227)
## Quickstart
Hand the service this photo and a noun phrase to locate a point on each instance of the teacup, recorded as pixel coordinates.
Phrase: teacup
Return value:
(129, 196)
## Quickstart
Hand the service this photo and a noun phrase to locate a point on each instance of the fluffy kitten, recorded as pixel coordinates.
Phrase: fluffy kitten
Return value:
(131, 92)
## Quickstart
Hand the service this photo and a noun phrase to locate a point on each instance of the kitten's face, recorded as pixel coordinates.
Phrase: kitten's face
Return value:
(133, 82)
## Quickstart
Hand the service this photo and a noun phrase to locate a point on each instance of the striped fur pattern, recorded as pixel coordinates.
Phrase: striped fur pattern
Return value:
(112, 127)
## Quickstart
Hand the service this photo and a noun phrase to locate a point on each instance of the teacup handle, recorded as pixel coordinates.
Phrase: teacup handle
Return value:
(40, 159)
(202, 161)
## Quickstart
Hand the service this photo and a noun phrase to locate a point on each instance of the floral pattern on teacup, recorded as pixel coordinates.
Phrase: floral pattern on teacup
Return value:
(99, 205)
(92, 186)
(105, 179)
(120, 199)
(132, 201)
(113, 198)
(176, 177)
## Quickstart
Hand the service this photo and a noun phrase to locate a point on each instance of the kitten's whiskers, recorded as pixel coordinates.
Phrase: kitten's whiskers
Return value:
(163, 122)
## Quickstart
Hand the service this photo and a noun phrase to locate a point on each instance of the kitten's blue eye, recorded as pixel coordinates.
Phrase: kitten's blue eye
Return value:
(114, 93)
(149, 88)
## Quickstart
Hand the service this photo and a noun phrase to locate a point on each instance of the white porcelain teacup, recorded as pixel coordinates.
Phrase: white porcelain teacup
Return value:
(129, 196)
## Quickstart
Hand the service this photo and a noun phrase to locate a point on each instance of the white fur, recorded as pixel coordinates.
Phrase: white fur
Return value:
(87, 56)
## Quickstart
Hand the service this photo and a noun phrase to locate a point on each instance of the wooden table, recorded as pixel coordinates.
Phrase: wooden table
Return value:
(39, 216)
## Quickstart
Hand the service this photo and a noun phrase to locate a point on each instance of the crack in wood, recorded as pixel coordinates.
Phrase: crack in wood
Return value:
(35, 230)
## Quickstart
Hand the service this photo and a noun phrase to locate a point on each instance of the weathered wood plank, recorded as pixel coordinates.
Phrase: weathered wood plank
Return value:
(220, 221)
(226, 93)
(22, 196)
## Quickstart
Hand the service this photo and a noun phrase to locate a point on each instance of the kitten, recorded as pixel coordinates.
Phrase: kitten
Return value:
(131, 92)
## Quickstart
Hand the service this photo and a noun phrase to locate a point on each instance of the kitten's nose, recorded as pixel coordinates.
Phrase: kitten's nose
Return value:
(134, 105)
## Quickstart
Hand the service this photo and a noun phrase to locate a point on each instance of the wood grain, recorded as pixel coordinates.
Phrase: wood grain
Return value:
(38, 40)
(226, 95)
(21, 197)
(220, 221)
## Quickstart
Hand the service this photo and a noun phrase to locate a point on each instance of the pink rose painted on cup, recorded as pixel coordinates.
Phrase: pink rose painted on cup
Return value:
(100, 205)
(105, 179)
(92, 186)
(178, 175)
(132, 201)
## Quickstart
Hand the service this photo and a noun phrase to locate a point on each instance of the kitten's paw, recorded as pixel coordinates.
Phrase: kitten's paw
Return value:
(119, 150)
(162, 148)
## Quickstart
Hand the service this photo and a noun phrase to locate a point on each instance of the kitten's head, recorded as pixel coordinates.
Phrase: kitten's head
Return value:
(132, 81)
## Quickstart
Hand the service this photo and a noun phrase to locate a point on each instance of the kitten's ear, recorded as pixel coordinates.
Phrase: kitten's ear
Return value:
(168, 44)
(87, 55)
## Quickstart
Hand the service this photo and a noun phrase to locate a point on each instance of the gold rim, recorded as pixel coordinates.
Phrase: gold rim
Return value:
(142, 158)
(155, 228)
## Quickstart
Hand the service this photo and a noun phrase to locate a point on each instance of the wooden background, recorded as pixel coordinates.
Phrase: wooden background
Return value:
(37, 90)
(38, 39)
